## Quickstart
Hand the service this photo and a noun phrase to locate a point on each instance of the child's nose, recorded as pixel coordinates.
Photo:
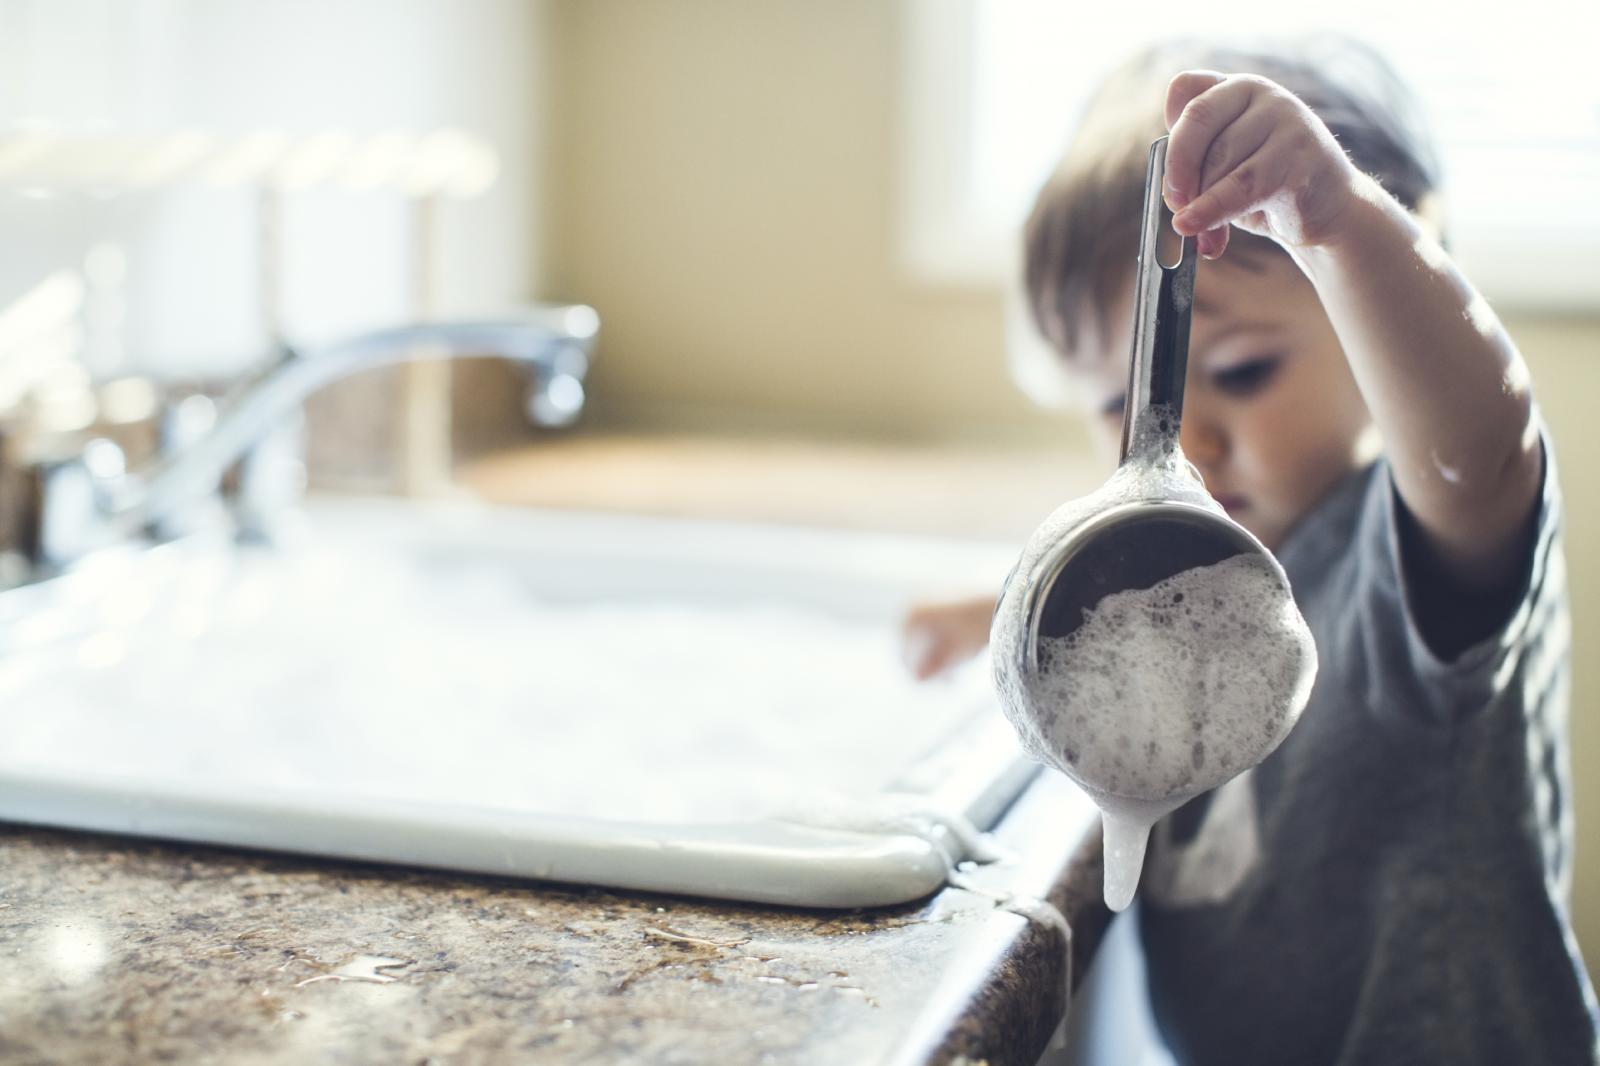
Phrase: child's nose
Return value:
(1204, 440)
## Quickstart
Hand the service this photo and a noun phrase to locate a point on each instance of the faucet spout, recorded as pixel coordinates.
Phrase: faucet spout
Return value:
(545, 337)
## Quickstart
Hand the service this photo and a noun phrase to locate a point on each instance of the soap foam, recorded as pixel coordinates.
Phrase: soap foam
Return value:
(1162, 693)
(1171, 690)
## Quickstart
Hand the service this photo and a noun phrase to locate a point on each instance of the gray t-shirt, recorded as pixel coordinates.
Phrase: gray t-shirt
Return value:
(1390, 885)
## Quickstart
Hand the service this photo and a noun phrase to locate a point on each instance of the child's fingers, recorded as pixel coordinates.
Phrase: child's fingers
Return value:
(924, 650)
(1199, 119)
(1213, 242)
(1185, 87)
(921, 653)
(1234, 193)
(925, 641)
(1236, 142)
(934, 637)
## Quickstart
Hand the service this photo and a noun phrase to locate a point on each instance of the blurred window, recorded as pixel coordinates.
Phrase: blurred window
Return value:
(994, 87)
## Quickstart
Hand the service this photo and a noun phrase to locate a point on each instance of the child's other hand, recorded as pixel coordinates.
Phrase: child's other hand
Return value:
(1246, 151)
(937, 636)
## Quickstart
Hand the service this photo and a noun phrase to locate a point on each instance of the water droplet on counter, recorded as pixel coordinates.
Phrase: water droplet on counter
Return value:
(365, 968)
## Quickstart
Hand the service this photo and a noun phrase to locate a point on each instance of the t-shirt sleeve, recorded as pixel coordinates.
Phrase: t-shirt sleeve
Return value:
(1402, 676)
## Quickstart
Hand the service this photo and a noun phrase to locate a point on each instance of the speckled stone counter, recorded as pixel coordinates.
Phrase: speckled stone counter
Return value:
(119, 950)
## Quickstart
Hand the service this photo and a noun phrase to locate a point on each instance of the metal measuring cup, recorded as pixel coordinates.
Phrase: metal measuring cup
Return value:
(1168, 523)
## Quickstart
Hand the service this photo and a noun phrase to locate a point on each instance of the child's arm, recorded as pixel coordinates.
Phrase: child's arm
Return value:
(1446, 387)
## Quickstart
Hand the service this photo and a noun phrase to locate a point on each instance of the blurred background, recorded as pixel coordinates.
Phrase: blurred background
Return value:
(796, 220)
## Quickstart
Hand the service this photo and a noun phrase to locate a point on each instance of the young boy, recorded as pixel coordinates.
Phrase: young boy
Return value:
(1391, 885)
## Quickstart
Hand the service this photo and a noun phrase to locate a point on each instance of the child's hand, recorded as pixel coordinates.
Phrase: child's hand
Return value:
(937, 636)
(1246, 151)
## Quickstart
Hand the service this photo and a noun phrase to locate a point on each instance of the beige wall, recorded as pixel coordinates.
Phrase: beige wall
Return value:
(725, 174)
(723, 191)
(1565, 356)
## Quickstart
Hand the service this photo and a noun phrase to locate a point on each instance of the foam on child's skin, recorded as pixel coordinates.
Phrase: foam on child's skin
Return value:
(1162, 693)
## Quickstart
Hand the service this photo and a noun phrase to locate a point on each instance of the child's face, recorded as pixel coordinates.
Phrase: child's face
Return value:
(1271, 414)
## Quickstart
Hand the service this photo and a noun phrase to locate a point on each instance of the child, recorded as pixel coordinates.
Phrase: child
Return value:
(1391, 885)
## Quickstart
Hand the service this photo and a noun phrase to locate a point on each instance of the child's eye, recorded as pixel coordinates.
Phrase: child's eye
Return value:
(1248, 377)
(1112, 408)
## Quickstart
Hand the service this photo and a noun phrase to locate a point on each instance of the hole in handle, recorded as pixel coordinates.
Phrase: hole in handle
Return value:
(1169, 244)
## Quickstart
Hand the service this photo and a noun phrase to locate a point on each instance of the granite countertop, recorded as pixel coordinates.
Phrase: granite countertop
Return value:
(125, 950)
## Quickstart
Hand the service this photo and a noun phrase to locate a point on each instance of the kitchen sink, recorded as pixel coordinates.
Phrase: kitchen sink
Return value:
(697, 707)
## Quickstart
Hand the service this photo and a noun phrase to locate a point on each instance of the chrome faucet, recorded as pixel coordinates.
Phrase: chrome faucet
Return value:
(90, 500)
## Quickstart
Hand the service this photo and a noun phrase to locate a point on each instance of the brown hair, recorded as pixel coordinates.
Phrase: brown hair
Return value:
(1081, 239)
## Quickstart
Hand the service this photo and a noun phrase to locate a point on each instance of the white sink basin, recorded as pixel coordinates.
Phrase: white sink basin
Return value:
(695, 707)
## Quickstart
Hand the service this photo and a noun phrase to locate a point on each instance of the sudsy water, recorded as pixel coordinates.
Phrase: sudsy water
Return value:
(1163, 693)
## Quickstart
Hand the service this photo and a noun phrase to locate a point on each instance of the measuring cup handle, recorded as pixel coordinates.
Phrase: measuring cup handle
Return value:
(1162, 304)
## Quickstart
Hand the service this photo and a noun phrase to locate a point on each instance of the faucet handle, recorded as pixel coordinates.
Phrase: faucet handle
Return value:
(186, 417)
(269, 479)
(48, 502)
